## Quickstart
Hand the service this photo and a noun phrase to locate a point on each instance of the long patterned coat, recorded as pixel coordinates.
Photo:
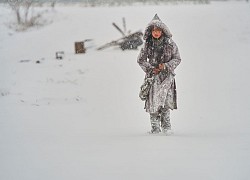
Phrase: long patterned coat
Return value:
(164, 50)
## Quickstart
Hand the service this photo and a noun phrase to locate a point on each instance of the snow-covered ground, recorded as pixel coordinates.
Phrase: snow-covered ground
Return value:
(81, 117)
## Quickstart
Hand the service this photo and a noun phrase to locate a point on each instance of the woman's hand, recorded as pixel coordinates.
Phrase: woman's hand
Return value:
(160, 68)
(156, 71)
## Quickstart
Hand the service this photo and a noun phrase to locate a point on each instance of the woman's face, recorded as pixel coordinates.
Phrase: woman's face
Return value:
(156, 32)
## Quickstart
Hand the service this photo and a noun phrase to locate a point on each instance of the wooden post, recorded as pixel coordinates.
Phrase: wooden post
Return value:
(124, 25)
(79, 47)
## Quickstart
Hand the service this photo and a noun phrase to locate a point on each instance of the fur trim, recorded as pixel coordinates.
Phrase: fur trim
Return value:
(156, 21)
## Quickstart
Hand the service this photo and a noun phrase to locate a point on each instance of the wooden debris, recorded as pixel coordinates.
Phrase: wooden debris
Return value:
(128, 41)
(24, 61)
(131, 41)
(59, 55)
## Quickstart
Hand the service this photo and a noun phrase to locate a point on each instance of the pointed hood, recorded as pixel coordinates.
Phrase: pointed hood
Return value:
(156, 21)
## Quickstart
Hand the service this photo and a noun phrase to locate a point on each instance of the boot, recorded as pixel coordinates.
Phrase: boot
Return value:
(155, 123)
(165, 120)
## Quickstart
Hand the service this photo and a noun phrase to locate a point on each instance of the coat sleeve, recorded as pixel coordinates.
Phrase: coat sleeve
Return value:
(142, 61)
(175, 58)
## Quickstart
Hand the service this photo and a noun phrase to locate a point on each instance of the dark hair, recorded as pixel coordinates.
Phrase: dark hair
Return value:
(156, 27)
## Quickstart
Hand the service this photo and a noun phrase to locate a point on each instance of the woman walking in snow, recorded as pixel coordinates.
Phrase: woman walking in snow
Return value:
(158, 59)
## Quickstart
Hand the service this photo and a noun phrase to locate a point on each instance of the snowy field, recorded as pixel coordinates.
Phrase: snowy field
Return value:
(81, 118)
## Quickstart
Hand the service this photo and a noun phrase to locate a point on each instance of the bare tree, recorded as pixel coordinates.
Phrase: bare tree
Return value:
(16, 5)
(27, 7)
(23, 12)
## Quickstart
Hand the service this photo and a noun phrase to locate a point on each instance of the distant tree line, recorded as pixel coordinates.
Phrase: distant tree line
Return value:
(108, 2)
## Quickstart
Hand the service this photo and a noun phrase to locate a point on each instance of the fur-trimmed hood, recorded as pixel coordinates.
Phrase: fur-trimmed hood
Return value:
(156, 21)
